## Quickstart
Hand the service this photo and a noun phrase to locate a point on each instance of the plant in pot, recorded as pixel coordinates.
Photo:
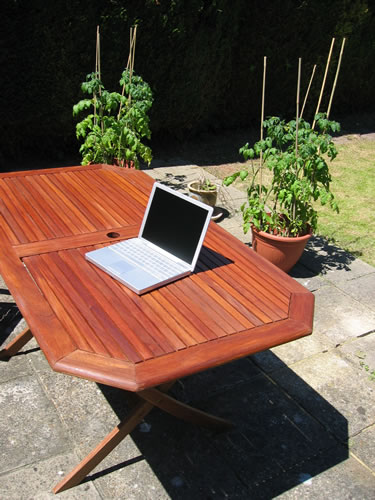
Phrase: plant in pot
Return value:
(115, 129)
(203, 190)
(281, 202)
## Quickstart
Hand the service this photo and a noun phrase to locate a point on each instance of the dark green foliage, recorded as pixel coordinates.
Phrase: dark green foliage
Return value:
(203, 60)
(299, 176)
(115, 125)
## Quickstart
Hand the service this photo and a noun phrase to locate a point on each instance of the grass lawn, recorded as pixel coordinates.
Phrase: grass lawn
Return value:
(353, 174)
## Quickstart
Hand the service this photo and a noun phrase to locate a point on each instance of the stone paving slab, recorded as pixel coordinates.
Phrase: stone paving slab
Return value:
(363, 446)
(339, 316)
(288, 354)
(333, 391)
(36, 481)
(30, 429)
(347, 480)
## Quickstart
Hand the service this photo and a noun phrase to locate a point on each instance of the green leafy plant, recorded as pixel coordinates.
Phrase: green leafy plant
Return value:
(296, 176)
(118, 123)
(205, 184)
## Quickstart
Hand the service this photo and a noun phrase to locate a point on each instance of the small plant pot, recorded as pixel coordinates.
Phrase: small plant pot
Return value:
(205, 196)
(283, 252)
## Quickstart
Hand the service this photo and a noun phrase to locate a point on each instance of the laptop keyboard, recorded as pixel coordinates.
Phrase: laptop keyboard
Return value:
(143, 256)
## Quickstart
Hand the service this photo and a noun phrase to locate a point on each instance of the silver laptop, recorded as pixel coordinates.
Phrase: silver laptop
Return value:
(168, 245)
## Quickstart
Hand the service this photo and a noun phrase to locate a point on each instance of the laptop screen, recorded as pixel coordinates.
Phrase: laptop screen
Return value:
(174, 224)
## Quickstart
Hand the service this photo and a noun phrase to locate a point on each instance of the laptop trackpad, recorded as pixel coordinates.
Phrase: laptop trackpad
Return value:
(121, 266)
(139, 279)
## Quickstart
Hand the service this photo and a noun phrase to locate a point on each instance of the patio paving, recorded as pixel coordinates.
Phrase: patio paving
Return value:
(304, 412)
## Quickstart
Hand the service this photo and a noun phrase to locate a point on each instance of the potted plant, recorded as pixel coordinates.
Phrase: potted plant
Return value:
(114, 131)
(203, 190)
(281, 202)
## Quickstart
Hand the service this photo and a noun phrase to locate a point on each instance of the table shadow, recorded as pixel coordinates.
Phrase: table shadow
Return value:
(284, 434)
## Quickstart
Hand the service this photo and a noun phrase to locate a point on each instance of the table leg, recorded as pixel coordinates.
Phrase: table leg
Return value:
(104, 448)
(109, 443)
(16, 345)
(184, 411)
(149, 398)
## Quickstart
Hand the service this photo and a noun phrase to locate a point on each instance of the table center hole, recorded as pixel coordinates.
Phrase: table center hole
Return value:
(113, 234)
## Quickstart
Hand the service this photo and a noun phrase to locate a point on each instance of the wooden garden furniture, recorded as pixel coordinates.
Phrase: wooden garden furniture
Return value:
(91, 326)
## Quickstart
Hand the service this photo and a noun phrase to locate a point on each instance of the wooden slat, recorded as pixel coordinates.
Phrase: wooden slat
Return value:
(66, 310)
(124, 205)
(25, 209)
(262, 308)
(177, 335)
(252, 273)
(217, 352)
(43, 171)
(38, 314)
(197, 309)
(32, 206)
(77, 240)
(263, 268)
(58, 217)
(101, 287)
(62, 200)
(11, 214)
(87, 196)
(75, 199)
(103, 326)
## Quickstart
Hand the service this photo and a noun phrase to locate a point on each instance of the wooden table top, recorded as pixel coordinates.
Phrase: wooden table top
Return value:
(91, 326)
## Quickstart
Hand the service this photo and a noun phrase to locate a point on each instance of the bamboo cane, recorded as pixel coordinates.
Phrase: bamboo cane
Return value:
(96, 71)
(324, 81)
(261, 124)
(336, 77)
(308, 90)
(297, 101)
(130, 64)
(297, 119)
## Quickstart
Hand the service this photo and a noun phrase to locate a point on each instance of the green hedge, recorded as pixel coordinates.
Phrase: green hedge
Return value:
(203, 60)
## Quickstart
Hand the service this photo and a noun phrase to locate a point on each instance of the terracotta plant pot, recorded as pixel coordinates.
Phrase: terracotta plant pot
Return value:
(203, 195)
(282, 251)
(123, 163)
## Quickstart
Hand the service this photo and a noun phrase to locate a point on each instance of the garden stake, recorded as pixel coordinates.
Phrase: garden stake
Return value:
(336, 76)
(324, 81)
(261, 123)
(308, 90)
(297, 119)
(130, 64)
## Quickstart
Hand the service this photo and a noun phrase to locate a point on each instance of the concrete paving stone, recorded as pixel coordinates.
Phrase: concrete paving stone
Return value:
(15, 367)
(339, 316)
(30, 429)
(292, 352)
(307, 278)
(363, 290)
(361, 352)
(36, 481)
(332, 262)
(84, 409)
(317, 479)
(363, 447)
(271, 432)
(184, 460)
(130, 481)
(208, 383)
(333, 391)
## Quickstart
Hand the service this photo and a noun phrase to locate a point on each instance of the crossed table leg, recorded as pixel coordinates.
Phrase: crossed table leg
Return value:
(147, 400)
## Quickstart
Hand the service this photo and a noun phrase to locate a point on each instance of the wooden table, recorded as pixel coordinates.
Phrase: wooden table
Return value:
(91, 326)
